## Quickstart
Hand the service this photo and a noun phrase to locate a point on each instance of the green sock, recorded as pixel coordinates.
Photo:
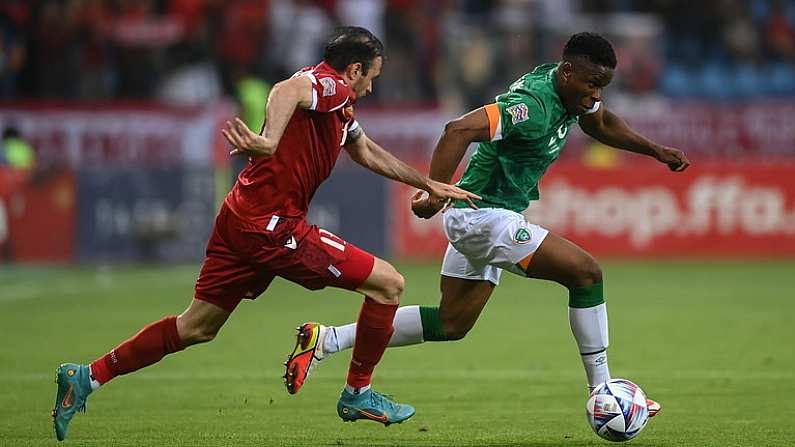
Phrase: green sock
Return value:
(583, 296)
(432, 329)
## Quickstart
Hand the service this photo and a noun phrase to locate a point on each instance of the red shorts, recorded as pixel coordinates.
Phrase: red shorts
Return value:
(243, 259)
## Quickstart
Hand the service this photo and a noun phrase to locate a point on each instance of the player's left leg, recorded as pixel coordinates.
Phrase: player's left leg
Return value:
(198, 324)
(462, 301)
(227, 277)
(567, 264)
(559, 260)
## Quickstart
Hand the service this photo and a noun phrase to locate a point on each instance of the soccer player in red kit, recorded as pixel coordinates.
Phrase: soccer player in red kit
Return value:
(260, 233)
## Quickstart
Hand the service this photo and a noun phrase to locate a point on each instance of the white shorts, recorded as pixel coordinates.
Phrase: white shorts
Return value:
(483, 242)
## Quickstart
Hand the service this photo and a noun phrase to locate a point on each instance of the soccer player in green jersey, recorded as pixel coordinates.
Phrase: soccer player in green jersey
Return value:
(519, 136)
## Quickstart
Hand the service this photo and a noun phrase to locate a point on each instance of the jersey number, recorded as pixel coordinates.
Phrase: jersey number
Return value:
(344, 134)
(554, 142)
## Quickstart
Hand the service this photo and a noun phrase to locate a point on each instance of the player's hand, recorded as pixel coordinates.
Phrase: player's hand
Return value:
(439, 197)
(424, 206)
(245, 141)
(674, 158)
(439, 191)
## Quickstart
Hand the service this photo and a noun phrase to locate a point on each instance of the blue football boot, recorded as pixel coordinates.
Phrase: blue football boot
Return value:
(373, 406)
(74, 386)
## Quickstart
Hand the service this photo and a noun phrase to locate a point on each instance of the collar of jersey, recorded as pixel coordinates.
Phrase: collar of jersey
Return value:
(326, 68)
(553, 81)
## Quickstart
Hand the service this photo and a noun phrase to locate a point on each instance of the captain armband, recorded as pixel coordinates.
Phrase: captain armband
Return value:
(354, 134)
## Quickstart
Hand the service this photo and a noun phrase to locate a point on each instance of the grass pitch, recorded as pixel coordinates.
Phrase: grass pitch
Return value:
(712, 341)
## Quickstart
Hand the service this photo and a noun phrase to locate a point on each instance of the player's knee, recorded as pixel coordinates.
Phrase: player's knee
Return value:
(390, 289)
(588, 272)
(456, 332)
(455, 329)
(191, 335)
(204, 336)
(394, 288)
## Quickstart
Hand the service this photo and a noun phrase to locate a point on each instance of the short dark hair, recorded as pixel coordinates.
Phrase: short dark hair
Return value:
(352, 44)
(593, 47)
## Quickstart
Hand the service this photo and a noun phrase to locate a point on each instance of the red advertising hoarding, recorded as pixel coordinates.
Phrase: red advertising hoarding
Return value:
(81, 134)
(75, 140)
(717, 209)
(37, 217)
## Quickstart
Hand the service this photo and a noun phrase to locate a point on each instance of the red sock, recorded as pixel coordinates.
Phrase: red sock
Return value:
(146, 347)
(373, 330)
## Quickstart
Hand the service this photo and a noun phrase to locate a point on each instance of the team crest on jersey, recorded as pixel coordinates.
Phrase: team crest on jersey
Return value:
(518, 113)
(347, 112)
(522, 236)
(329, 86)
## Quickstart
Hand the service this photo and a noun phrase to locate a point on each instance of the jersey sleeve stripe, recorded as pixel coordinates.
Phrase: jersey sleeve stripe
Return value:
(339, 106)
(314, 92)
(495, 124)
(314, 100)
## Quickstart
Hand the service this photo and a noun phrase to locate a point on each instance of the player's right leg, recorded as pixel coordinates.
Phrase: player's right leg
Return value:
(359, 271)
(322, 259)
(382, 290)
(198, 324)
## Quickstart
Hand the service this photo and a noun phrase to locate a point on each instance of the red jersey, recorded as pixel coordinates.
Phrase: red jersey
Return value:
(284, 183)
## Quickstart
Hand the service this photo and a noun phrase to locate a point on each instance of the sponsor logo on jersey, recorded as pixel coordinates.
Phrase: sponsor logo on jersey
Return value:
(329, 86)
(562, 131)
(518, 113)
(522, 236)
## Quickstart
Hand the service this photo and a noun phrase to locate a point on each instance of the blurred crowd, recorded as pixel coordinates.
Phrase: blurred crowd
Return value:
(438, 50)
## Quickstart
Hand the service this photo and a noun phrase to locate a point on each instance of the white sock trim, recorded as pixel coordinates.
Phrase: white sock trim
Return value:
(353, 390)
(94, 382)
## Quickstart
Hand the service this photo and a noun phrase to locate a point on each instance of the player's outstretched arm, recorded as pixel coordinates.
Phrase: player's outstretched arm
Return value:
(450, 149)
(367, 153)
(610, 129)
(282, 101)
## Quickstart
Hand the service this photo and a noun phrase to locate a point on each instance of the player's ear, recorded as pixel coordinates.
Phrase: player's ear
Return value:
(354, 70)
(566, 70)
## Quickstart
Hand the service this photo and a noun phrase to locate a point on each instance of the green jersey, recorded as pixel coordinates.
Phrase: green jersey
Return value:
(529, 126)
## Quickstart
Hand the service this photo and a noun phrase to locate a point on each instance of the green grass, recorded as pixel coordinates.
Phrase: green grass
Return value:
(712, 341)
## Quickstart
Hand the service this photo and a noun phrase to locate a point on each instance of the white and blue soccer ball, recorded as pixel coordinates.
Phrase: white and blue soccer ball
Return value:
(617, 410)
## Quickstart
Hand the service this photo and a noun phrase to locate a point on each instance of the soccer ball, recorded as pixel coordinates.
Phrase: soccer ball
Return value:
(617, 410)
